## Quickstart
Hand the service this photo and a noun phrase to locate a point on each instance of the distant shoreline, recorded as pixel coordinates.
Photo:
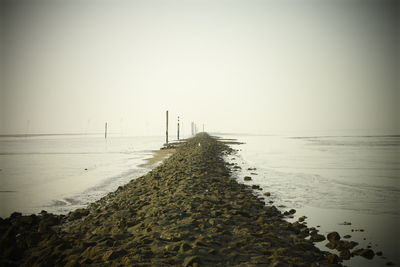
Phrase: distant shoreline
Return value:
(48, 134)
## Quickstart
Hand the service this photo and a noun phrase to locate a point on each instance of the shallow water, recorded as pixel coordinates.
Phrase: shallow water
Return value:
(48, 172)
(331, 180)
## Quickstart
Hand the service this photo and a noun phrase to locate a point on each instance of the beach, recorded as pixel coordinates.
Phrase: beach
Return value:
(188, 211)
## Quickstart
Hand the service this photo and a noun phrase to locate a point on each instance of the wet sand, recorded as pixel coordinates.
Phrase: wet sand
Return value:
(188, 211)
(158, 156)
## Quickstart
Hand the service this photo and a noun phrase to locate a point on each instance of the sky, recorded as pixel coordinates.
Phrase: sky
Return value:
(241, 66)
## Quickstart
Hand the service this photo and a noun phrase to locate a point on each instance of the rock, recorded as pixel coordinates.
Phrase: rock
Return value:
(43, 212)
(345, 254)
(389, 263)
(247, 178)
(172, 237)
(86, 262)
(29, 239)
(260, 220)
(342, 245)
(72, 263)
(331, 245)
(366, 253)
(257, 187)
(304, 232)
(305, 245)
(267, 194)
(184, 247)
(292, 211)
(190, 261)
(114, 254)
(347, 236)
(45, 228)
(332, 258)
(29, 220)
(379, 253)
(333, 237)
(302, 218)
(317, 238)
(77, 214)
(92, 251)
(15, 215)
(172, 247)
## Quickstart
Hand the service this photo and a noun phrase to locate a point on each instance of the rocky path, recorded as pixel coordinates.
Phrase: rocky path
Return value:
(186, 212)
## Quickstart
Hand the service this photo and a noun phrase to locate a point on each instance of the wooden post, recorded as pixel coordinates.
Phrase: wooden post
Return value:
(105, 131)
(166, 132)
(178, 128)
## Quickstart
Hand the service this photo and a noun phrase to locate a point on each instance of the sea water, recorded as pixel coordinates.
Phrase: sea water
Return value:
(329, 179)
(332, 180)
(60, 173)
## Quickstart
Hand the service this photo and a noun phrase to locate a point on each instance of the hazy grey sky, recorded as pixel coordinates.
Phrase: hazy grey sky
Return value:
(237, 66)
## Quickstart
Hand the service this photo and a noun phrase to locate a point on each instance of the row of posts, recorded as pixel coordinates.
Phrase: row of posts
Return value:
(193, 126)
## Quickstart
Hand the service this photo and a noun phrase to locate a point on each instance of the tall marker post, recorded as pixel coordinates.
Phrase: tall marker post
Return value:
(178, 128)
(166, 131)
(105, 131)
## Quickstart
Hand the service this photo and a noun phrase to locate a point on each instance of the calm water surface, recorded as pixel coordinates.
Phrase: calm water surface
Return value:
(61, 173)
(331, 180)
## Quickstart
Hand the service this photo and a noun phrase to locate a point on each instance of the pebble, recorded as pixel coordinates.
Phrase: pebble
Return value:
(366, 253)
(302, 218)
(333, 237)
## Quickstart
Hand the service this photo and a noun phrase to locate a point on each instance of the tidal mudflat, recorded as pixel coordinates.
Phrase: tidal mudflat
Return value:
(188, 211)
(347, 182)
